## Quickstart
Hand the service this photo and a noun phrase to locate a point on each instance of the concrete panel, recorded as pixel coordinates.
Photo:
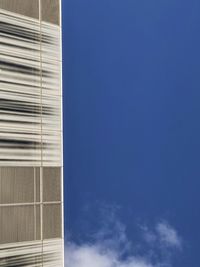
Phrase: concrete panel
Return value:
(16, 185)
(37, 184)
(52, 221)
(28, 8)
(38, 224)
(51, 184)
(51, 11)
(16, 224)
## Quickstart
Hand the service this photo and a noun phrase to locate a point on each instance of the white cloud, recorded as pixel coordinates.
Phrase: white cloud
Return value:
(87, 256)
(93, 256)
(111, 245)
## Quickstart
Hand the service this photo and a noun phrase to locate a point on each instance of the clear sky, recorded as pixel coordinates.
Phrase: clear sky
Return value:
(132, 132)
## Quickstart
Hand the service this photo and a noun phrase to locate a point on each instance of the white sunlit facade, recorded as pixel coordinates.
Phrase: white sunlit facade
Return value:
(31, 164)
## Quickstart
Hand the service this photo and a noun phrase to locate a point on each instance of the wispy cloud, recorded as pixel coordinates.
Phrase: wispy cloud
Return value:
(168, 235)
(112, 248)
(164, 234)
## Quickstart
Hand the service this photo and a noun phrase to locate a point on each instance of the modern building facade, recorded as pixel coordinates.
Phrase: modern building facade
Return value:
(31, 180)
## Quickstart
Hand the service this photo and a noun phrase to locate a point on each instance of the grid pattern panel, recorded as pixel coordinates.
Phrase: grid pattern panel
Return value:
(20, 203)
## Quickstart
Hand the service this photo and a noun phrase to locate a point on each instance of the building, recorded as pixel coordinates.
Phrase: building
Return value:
(31, 199)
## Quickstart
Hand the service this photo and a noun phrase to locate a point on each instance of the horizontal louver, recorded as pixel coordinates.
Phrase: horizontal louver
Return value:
(30, 94)
(47, 253)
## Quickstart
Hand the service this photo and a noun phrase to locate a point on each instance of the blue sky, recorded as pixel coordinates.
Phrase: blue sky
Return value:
(131, 131)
